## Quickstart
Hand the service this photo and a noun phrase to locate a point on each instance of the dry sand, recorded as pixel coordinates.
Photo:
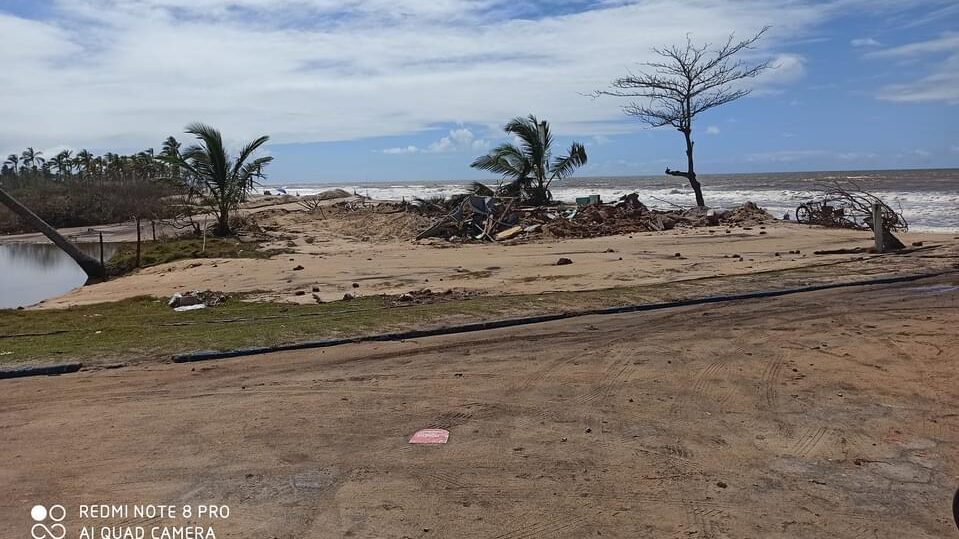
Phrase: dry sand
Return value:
(333, 257)
(815, 415)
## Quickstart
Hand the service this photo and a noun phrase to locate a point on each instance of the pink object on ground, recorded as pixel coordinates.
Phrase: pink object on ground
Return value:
(430, 436)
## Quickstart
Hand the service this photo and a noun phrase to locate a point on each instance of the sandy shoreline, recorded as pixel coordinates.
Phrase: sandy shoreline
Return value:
(333, 264)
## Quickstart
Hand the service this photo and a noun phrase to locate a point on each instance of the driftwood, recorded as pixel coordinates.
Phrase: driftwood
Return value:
(848, 205)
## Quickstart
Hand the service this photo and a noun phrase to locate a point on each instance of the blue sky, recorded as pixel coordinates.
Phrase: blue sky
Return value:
(369, 90)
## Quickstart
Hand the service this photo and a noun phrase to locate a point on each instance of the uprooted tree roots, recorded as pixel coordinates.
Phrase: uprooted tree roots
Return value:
(848, 205)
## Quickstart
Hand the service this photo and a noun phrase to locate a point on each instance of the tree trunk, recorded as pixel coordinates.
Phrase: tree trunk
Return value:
(691, 171)
(90, 266)
(138, 241)
(223, 222)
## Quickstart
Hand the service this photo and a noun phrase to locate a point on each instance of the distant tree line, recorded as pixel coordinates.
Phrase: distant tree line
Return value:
(83, 189)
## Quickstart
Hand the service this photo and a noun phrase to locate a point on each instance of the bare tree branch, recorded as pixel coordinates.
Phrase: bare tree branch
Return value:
(689, 80)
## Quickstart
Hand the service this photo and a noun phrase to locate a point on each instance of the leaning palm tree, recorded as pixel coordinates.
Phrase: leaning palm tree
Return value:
(528, 166)
(92, 267)
(224, 181)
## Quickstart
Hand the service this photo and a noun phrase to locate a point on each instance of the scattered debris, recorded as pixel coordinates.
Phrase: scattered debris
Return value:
(195, 300)
(430, 436)
(479, 218)
(847, 205)
(425, 296)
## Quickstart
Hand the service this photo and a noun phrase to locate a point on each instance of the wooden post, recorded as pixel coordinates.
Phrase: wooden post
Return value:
(877, 227)
(101, 249)
(138, 241)
(154, 225)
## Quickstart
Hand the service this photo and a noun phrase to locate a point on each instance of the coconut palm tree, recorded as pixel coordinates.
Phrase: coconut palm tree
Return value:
(224, 180)
(84, 162)
(63, 163)
(14, 161)
(31, 158)
(529, 166)
(89, 265)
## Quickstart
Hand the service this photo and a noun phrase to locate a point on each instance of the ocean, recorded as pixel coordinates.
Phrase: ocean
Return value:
(929, 199)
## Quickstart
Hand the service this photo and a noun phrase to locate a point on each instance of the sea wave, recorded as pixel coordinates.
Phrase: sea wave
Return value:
(926, 210)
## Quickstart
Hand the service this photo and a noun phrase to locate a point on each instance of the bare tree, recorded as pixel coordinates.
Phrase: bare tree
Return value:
(689, 80)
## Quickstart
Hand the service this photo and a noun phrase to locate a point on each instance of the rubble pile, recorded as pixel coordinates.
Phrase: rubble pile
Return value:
(749, 214)
(495, 219)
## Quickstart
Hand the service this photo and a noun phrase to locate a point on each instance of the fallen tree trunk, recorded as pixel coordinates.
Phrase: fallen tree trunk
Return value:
(90, 265)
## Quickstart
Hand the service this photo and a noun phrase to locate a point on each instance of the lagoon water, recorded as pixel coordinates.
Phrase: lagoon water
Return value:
(32, 272)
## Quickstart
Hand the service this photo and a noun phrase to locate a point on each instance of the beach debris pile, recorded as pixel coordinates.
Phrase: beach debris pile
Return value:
(488, 218)
(195, 300)
(847, 205)
(476, 217)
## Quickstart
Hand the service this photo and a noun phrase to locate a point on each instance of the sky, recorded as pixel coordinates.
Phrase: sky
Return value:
(380, 90)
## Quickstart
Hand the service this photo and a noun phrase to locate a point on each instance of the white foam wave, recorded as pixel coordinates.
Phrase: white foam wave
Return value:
(931, 211)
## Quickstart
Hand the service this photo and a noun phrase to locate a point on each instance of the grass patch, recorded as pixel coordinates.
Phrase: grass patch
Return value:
(145, 328)
(153, 253)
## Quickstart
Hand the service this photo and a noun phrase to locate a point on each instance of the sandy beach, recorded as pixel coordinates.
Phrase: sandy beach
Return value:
(816, 415)
(479, 269)
(373, 251)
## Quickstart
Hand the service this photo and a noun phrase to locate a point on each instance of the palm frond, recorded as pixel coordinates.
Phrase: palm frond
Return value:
(505, 159)
(247, 151)
(566, 164)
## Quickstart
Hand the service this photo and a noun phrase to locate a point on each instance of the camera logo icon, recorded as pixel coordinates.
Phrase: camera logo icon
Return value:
(47, 522)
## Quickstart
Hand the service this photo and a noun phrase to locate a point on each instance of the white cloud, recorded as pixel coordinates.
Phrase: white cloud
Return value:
(127, 73)
(942, 82)
(458, 140)
(601, 140)
(712, 130)
(948, 43)
(784, 156)
(401, 150)
(865, 42)
(856, 156)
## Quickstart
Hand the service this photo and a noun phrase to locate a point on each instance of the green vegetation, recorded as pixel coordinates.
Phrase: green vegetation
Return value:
(160, 252)
(529, 167)
(220, 183)
(146, 328)
(85, 189)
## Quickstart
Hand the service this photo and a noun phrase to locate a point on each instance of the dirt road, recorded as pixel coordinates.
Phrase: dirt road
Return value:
(818, 415)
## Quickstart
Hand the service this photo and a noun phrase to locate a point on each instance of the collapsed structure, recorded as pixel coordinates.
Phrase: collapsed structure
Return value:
(493, 218)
